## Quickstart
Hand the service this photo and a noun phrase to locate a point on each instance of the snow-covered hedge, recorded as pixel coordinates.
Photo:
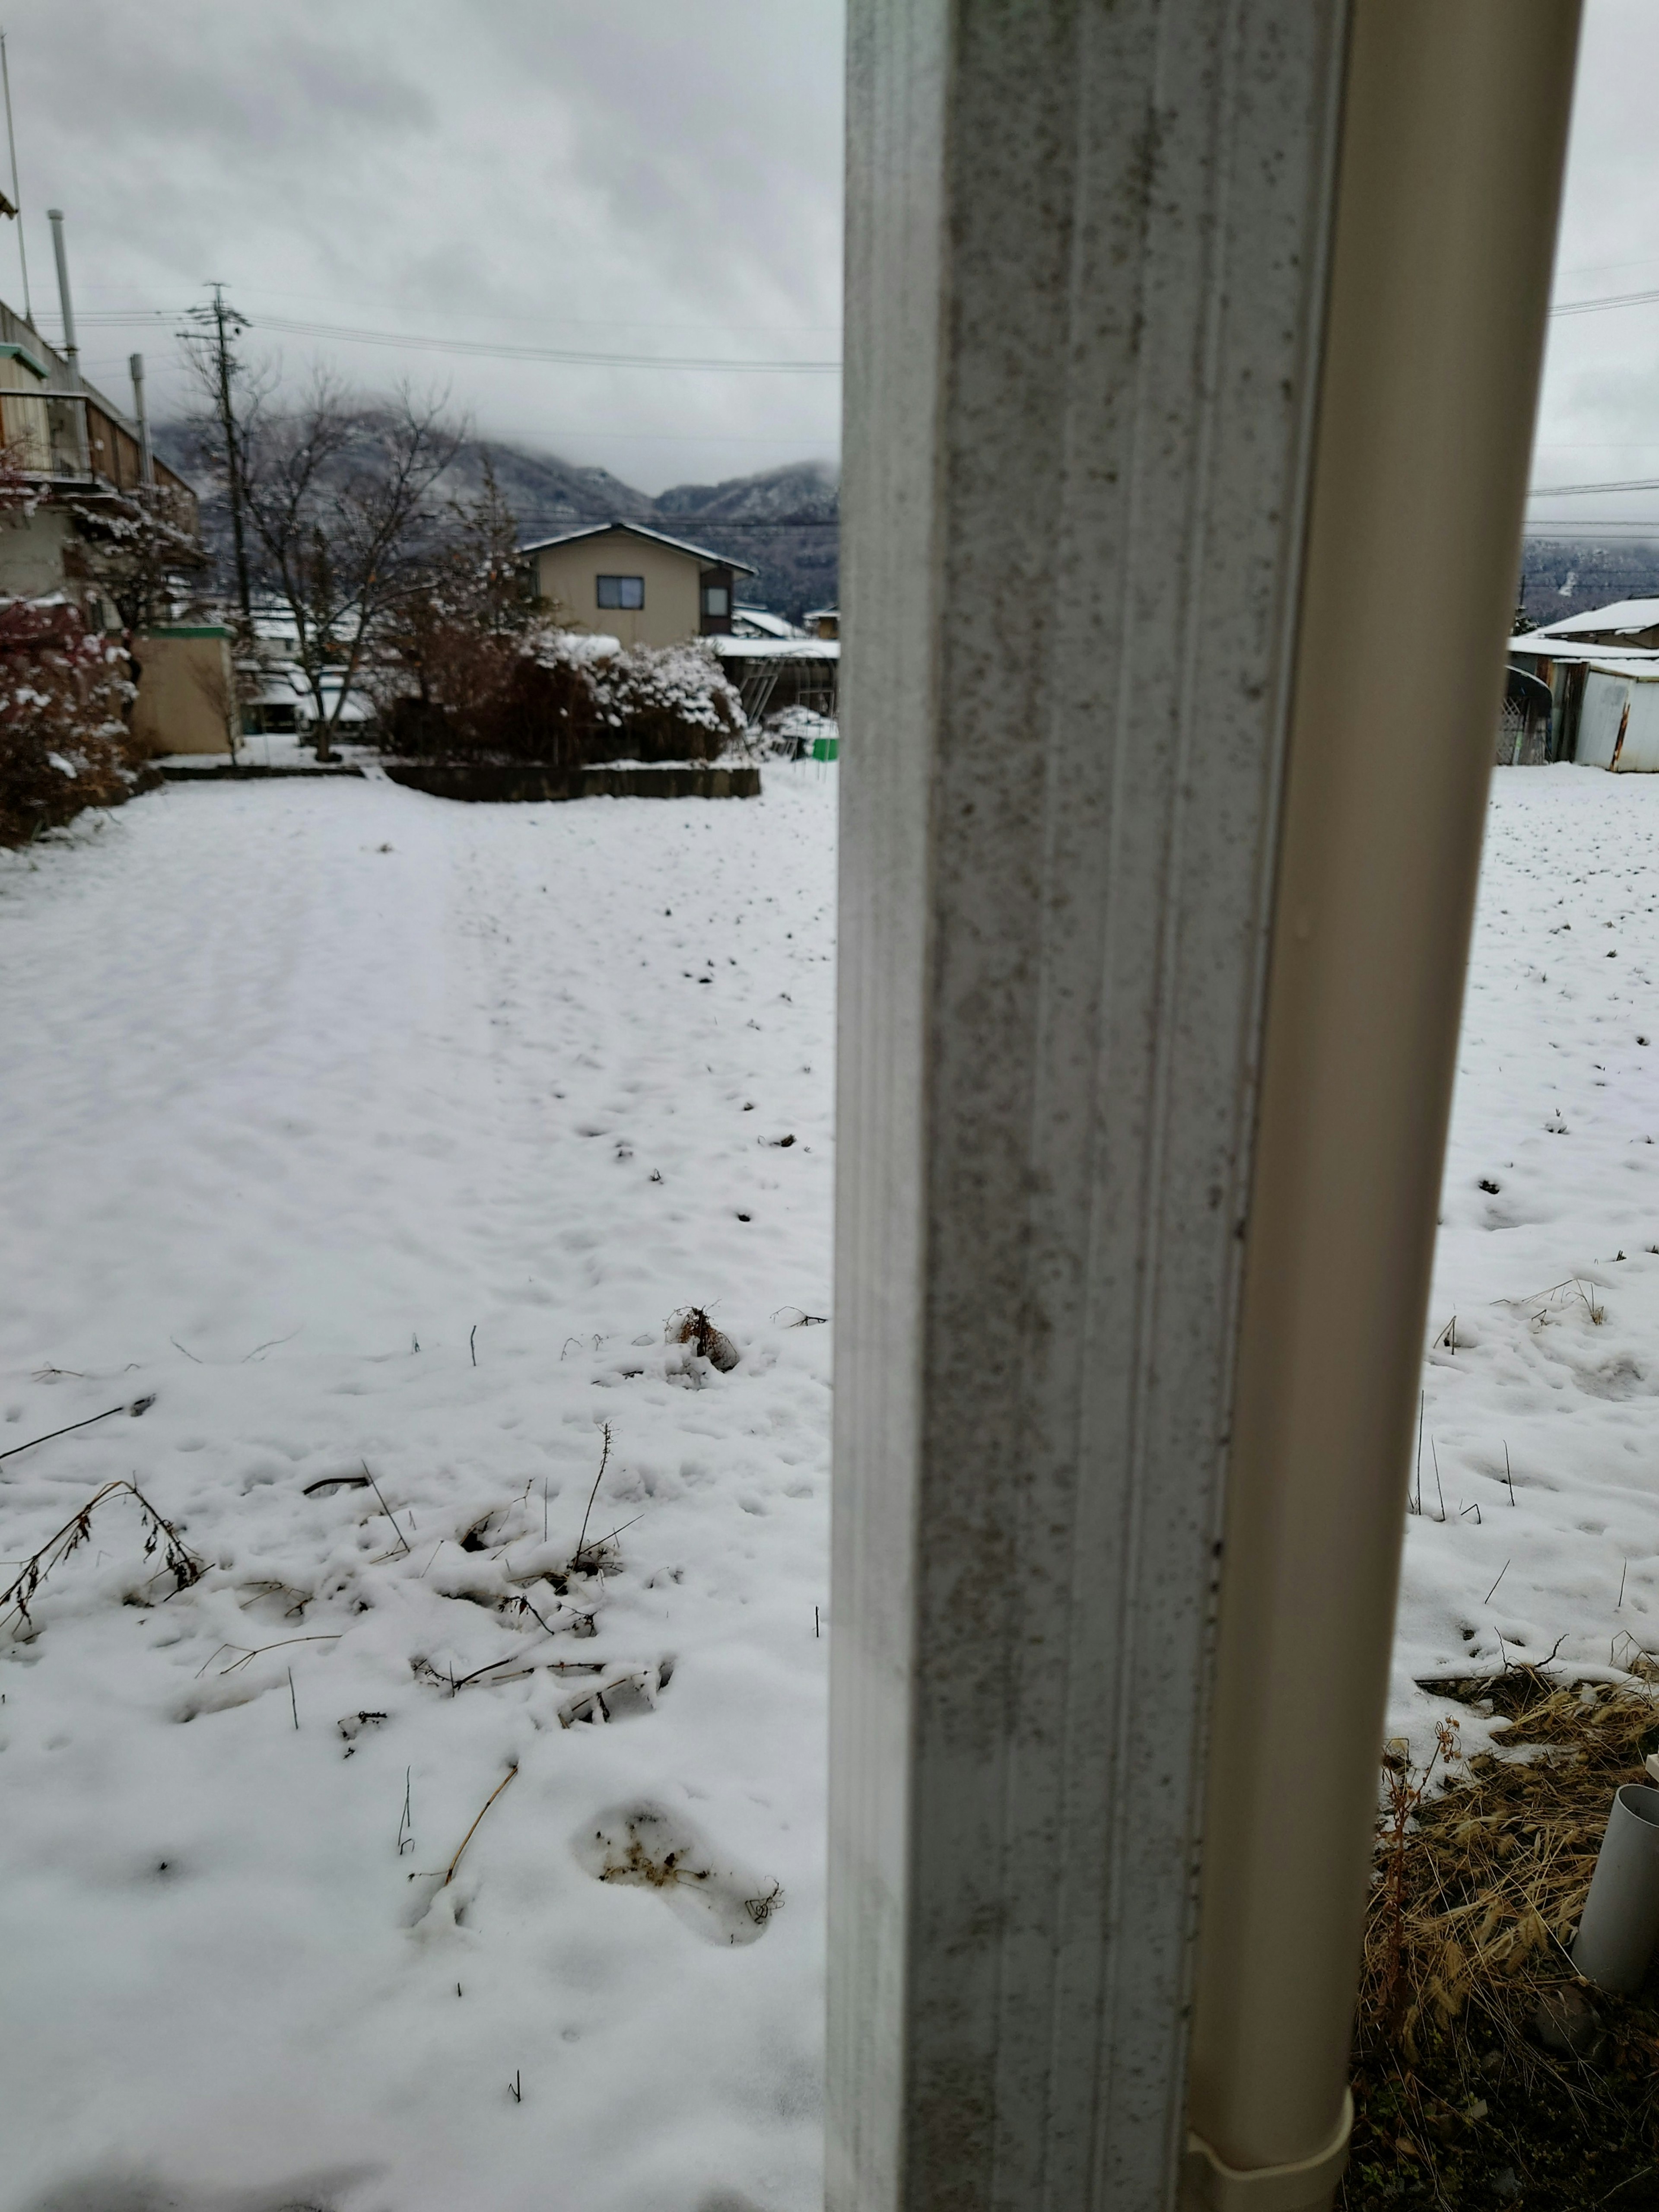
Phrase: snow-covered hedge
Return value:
(566, 698)
(65, 694)
(671, 700)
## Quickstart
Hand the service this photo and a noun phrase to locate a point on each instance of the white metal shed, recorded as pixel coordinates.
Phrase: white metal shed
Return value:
(1619, 727)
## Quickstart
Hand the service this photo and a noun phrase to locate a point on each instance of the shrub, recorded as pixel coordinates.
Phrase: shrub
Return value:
(64, 697)
(563, 699)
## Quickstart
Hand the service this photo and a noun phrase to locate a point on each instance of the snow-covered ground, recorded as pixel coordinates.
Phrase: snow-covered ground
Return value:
(1541, 1531)
(305, 1084)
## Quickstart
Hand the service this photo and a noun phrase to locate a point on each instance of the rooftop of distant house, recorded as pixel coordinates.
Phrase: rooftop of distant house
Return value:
(1628, 629)
(654, 537)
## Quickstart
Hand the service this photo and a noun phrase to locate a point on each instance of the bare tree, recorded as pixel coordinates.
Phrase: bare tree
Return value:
(137, 550)
(340, 497)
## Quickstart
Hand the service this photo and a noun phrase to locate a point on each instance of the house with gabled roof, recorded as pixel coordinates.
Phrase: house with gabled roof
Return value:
(623, 581)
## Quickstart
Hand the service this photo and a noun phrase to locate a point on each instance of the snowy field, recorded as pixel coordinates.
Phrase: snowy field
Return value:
(307, 1082)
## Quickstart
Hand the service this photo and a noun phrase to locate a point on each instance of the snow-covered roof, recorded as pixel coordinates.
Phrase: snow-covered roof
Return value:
(1540, 645)
(1635, 668)
(638, 530)
(1623, 617)
(765, 621)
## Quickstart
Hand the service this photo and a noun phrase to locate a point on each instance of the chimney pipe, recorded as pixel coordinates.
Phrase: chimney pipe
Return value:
(146, 460)
(55, 217)
(71, 351)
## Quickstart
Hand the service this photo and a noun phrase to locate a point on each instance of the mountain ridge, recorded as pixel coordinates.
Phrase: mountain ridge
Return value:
(783, 521)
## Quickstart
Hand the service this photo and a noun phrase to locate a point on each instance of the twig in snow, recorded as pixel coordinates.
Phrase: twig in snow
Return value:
(406, 1825)
(1434, 1451)
(387, 1509)
(1502, 1571)
(1508, 1477)
(270, 1344)
(1623, 1571)
(258, 1651)
(335, 1482)
(599, 1542)
(184, 1565)
(581, 1544)
(516, 2085)
(473, 1830)
(472, 1344)
(189, 1354)
(1422, 1402)
(138, 1406)
(294, 1701)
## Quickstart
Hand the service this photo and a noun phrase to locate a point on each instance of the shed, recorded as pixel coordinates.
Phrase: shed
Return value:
(186, 699)
(1619, 721)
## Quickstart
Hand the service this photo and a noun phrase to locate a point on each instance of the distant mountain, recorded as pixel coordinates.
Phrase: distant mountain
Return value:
(1570, 575)
(784, 522)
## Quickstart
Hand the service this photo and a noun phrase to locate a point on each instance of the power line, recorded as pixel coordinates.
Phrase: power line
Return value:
(1583, 490)
(288, 326)
(1610, 299)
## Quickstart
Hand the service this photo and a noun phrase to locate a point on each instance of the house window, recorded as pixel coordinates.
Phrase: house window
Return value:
(622, 590)
(716, 599)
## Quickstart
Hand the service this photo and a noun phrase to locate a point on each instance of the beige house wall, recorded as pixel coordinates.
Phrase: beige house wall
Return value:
(186, 684)
(567, 577)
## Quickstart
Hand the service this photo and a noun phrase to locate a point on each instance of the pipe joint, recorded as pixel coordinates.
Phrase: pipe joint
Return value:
(1306, 2184)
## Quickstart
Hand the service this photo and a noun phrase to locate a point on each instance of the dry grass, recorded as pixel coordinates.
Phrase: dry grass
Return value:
(1481, 1874)
(178, 1559)
(692, 1325)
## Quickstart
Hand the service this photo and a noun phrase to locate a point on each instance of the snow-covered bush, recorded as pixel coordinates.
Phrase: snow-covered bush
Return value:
(65, 694)
(565, 698)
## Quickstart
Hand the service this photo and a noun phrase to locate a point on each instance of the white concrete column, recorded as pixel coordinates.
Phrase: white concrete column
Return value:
(1088, 255)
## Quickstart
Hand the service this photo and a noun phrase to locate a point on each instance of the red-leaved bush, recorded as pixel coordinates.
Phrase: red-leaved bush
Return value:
(65, 694)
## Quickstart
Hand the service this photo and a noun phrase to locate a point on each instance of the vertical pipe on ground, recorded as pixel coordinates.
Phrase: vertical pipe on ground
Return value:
(1088, 250)
(1454, 134)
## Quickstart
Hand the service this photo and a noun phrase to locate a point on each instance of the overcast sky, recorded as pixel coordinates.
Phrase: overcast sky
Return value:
(1599, 417)
(644, 177)
(647, 177)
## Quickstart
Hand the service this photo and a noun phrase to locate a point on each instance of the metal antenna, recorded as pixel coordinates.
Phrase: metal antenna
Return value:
(16, 196)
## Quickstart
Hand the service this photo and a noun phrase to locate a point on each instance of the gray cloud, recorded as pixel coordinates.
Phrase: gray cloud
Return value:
(656, 176)
(652, 178)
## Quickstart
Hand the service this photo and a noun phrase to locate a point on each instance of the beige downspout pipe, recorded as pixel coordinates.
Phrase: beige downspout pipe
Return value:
(1453, 136)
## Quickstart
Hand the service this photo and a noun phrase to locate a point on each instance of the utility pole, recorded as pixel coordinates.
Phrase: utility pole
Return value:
(17, 193)
(226, 325)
